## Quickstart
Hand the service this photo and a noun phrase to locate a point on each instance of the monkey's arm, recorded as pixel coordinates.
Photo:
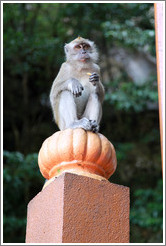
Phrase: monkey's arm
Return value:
(60, 83)
(100, 91)
(93, 110)
(99, 88)
(63, 82)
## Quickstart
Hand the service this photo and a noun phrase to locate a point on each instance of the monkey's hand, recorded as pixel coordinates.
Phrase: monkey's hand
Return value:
(75, 87)
(94, 79)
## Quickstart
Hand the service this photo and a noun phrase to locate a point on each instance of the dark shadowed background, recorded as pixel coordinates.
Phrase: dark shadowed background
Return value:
(33, 39)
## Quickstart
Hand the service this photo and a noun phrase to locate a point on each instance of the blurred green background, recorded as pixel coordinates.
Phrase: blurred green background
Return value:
(34, 36)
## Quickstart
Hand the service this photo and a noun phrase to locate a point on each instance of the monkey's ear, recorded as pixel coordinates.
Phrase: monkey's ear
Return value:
(66, 48)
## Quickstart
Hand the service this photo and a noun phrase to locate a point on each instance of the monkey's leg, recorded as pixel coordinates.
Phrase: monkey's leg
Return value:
(67, 113)
(93, 112)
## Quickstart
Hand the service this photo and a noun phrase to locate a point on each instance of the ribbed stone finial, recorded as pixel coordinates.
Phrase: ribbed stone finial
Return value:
(77, 151)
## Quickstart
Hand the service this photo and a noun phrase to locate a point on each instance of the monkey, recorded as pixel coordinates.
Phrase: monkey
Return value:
(77, 93)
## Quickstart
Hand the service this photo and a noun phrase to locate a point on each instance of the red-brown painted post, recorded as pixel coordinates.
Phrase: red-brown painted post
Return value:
(78, 204)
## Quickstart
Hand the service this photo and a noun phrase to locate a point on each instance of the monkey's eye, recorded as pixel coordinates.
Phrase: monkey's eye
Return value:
(77, 47)
(86, 46)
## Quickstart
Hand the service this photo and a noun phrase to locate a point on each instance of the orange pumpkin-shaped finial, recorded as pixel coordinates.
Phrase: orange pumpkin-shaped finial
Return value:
(77, 150)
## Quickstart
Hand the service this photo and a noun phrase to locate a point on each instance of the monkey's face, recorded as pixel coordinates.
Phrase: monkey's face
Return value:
(81, 50)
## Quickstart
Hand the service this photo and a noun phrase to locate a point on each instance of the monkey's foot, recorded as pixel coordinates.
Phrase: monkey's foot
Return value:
(88, 125)
(94, 126)
(82, 123)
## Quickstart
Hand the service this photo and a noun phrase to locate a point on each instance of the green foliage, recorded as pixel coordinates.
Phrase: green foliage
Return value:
(123, 150)
(130, 35)
(21, 181)
(131, 97)
(147, 209)
(135, 29)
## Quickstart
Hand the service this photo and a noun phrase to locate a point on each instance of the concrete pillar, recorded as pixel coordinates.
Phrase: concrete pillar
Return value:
(79, 209)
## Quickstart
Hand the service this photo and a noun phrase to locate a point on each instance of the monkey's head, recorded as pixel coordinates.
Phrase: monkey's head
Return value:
(82, 50)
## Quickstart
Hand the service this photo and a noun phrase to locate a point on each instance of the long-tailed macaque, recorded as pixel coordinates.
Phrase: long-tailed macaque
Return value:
(77, 92)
